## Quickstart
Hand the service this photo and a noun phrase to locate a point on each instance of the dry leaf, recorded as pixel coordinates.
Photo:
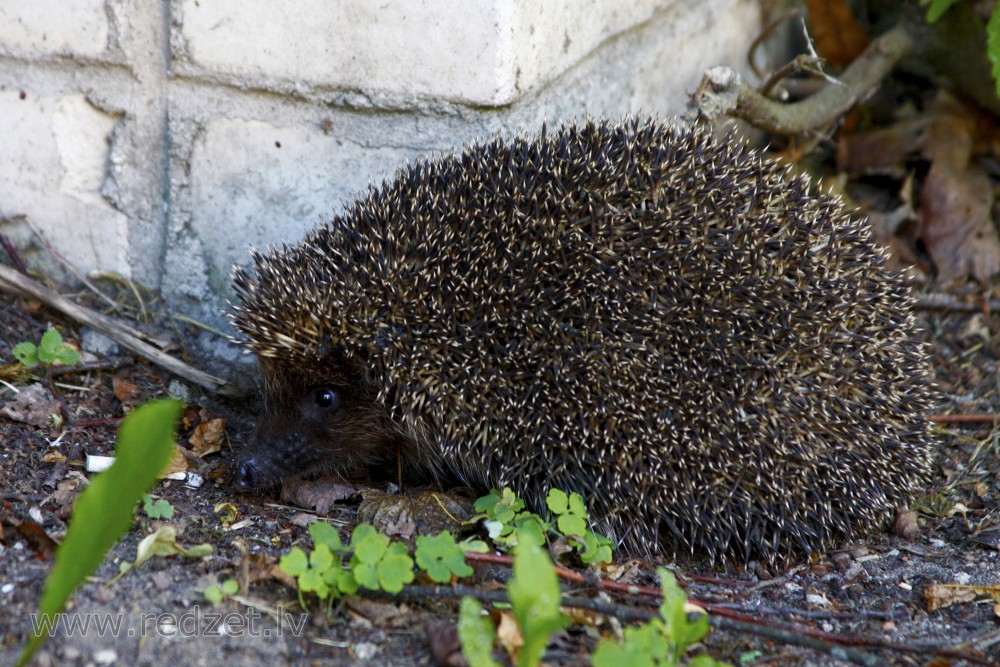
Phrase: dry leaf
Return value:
(420, 513)
(33, 405)
(275, 572)
(318, 495)
(884, 151)
(956, 204)
(838, 36)
(509, 633)
(35, 535)
(379, 614)
(163, 542)
(178, 463)
(446, 648)
(124, 390)
(939, 596)
(208, 437)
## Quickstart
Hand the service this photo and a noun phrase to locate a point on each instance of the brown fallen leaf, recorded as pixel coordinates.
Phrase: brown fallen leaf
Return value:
(178, 463)
(208, 437)
(33, 405)
(509, 633)
(884, 151)
(839, 37)
(956, 205)
(988, 538)
(35, 535)
(939, 596)
(192, 415)
(275, 572)
(445, 645)
(317, 495)
(408, 514)
(379, 614)
(53, 456)
(125, 391)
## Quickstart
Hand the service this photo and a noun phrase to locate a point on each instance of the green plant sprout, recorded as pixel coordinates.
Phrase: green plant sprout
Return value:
(51, 350)
(104, 510)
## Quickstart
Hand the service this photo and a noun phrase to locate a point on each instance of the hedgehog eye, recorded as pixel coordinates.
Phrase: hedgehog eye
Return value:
(327, 398)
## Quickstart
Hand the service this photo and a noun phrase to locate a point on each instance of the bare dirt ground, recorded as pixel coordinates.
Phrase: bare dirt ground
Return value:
(877, 590)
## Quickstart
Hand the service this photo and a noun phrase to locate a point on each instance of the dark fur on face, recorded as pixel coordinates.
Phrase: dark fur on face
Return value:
(321, 419)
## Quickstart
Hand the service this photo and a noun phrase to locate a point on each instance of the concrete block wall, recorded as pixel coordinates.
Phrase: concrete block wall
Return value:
(161, 140)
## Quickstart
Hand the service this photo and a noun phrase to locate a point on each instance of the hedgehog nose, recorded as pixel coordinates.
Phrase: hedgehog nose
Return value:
(248, 474)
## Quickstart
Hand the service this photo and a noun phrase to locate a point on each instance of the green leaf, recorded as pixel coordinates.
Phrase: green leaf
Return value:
(610, 653)
(395, 569)
(27, 354)
(570, 511)
(313, 580)
(531, 531)
(103, 511)
(368, 543)
(66, 356)
(294, 563)
(230, 587)
(704, 660)
(476, 632)
(661, 641)
(321, 558)
(936, 8)
(643, 645)
(52, 350)
(347, 583)
(993, 45)
(535, 597)
(695, 631)
(161, 509)
(557, 501)
(48, 349)
(320, 572)
(500, 505)
(440, 557)
(368, 546)
(213, 594)
(323, 533)
(485, 504)
(474, 545)
(376, 564)
(366, 574)
(570, 524)
(597, 549)
(649, 639)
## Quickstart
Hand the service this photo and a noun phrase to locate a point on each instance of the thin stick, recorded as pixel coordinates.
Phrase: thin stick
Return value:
(13, 282)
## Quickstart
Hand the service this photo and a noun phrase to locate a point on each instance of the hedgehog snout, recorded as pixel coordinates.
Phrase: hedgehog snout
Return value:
(270, 458)
(259, 467)
(248, 475)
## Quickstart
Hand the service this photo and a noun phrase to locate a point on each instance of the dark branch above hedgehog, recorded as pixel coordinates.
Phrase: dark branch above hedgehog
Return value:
(665, 322)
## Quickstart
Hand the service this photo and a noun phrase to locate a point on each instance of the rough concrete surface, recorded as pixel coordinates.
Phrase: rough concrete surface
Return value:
(162, 140)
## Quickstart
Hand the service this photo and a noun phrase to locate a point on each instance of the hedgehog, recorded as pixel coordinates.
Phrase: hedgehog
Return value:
(713, 354)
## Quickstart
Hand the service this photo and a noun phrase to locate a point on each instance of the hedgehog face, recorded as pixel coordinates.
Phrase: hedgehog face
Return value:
(312, 422)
